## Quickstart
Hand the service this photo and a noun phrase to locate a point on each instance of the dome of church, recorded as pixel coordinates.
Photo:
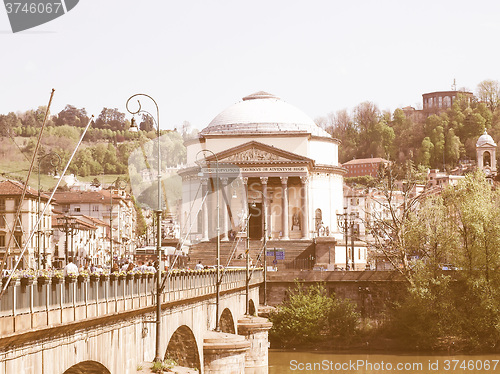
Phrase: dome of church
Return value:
(262, 113)
(485, 139)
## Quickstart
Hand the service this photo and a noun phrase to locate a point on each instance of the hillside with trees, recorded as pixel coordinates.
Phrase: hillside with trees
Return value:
(105, 150)
(438, 141)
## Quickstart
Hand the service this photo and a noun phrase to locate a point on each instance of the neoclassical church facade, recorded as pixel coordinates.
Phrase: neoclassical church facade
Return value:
(276, 171)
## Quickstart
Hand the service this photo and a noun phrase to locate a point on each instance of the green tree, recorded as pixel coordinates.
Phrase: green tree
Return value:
(463, 227)
(426, 151)
(8, 123)
(111, 119)
(452, 147)
(488, 91)
(71, 116)
(437, 138)
(309, 315)
(389, 222)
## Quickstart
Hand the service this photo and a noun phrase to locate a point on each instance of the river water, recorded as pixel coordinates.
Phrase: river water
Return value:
(281, 362)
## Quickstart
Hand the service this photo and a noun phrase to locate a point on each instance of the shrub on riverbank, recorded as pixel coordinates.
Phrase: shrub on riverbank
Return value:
(310, 316)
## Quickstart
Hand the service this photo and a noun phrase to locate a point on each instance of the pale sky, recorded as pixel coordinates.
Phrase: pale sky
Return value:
(196, 58)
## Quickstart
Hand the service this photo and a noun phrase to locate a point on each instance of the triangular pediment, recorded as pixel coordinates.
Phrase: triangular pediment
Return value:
(258, 152)
(487, 145)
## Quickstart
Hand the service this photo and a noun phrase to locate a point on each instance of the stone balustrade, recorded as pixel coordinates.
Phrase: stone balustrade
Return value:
(26, 307)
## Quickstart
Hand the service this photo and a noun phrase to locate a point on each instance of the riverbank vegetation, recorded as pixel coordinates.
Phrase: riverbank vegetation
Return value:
(309, 316)
(447, 245)
(460, 230)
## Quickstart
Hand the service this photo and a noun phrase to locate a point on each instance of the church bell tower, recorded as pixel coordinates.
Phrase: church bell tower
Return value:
(486, 154)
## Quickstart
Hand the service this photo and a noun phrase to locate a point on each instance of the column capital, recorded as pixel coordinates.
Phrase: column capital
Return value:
(284, 180)
(224, 181)
(204, 181)
(244, 180)
(263, 180)
(304, 179)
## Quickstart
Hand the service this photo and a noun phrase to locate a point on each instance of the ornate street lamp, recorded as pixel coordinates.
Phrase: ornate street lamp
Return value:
(48, 234)
(68, 225)
(120, 184)
(264, 252)
(345, 222)
(247, 252)
(55, 161)
(217, 271)
(158, 212)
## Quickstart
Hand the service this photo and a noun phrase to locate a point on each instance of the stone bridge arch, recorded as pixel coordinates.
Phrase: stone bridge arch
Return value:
(87, 367)
(226, 322)
(183, 348)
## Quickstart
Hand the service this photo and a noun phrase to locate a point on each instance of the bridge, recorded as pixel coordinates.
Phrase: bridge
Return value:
(106, 326)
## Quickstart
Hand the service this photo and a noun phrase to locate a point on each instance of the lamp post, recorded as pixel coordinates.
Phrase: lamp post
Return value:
(247, 283)
(345, 222)
(111, 229)
(54, 162)
(217, 270)
(48, 234)
(264, 212)
(120, 185)
(67, 225)
(158, 212)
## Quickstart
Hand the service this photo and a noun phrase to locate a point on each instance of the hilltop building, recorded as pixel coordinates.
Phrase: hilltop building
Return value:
(365, 166)
(435, 103)
(440, 101)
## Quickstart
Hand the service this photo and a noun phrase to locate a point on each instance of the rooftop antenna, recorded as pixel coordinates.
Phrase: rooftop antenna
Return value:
(454, 85)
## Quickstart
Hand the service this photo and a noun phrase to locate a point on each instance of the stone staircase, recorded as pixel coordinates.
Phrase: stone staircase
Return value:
(206, 252)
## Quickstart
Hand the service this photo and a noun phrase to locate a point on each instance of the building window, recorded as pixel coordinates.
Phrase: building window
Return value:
(77, 209)
(18, 240)
(95, 208)
(2, 221)
(2, 241)
(2, 205)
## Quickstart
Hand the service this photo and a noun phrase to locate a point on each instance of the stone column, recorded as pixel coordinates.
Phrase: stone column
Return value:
(224, 207)
(245, 183)
(255, 330)
(204, 221)
(305, 207)
(263, 181)
(284, 220)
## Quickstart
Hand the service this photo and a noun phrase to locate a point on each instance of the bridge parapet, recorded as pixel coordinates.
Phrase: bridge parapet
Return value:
(23, 308)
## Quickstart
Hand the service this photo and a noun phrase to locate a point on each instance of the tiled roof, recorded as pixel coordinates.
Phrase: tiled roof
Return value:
(374, 160)
(15, 188)
(96, 221)
(81, 197)
(81, 223)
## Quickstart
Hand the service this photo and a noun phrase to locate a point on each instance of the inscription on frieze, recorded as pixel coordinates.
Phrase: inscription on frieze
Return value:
(254, 154)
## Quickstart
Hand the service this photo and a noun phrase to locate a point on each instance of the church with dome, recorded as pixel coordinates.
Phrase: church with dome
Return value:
(262, 167)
